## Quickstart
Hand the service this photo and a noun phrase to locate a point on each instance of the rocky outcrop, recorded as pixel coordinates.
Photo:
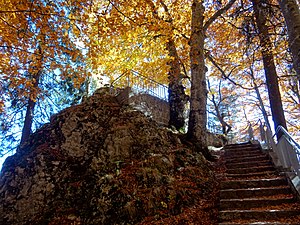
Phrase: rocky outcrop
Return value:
(103, 163)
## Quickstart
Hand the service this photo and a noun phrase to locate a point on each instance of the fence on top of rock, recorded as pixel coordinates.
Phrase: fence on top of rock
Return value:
(143, 93)
(150, 97)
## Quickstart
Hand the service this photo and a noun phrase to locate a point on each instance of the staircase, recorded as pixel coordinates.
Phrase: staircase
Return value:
(253, 191)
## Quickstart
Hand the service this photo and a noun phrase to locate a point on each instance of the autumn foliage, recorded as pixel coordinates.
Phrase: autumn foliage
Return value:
(71, 40)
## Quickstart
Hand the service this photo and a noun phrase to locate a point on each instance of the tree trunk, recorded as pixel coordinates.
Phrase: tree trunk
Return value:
(26, 131)
(269, 66)
(261, 103)
(197, 117)
(291, 13)
(177, 96)
(27, 127)
(262, 106)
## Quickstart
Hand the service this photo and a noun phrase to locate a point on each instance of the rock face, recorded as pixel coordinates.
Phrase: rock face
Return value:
(103, 163)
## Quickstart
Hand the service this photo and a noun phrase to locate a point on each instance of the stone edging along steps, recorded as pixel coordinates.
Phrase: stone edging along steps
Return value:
(253, 191)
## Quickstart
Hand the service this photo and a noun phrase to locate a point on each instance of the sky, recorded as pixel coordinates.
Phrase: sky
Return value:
(2, 159)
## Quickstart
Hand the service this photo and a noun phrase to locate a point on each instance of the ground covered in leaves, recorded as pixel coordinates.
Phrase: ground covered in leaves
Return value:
(105, 163)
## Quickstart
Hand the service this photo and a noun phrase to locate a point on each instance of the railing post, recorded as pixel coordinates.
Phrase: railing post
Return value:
(128, 79)
(250, 131)
(262, 133)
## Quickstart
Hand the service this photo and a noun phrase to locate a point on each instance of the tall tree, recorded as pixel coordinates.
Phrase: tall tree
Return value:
(259, 98)
(37, 42)
(260, 11)
(162, 19)
(162, 39)
(197, 117)
(291, 13)
(177, 96)
(31, 102)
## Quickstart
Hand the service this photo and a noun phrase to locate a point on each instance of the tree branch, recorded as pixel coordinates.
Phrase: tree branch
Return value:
(209, 57)
(217, 14)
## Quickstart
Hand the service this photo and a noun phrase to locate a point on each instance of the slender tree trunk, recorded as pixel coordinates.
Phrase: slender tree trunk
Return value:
(261, 103)
(26, 131)
(269, 66)
(291, 13)
(177, 96)
(27, 127)
(262, 106)
(197, 118)
(225, 126)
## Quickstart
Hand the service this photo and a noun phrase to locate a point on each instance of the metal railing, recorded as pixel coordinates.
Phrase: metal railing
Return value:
(286, 151)
(141, 84)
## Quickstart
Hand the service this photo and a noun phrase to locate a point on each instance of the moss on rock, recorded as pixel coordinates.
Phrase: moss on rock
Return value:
(103, 163)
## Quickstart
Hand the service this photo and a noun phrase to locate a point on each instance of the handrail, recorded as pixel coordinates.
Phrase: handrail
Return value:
(287, 135)
(285, 152)
(118, 78)
(147, 78)
(136, 73)
(141, 84)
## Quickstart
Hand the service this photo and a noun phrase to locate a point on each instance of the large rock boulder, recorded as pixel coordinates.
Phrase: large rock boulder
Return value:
(103, 163)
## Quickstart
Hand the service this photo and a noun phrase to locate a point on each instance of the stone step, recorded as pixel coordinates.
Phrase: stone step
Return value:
(242, 152)
(255, 203)
(243, 145)
(248, 164)
(264, 215)
(248, 155)
(238, 145)
(237, 156)
(264, 174)
(250, 170)
(254, 192)
(247, 159)
(242, 148)
(243, 155)
(237, 184)
(260, 222)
